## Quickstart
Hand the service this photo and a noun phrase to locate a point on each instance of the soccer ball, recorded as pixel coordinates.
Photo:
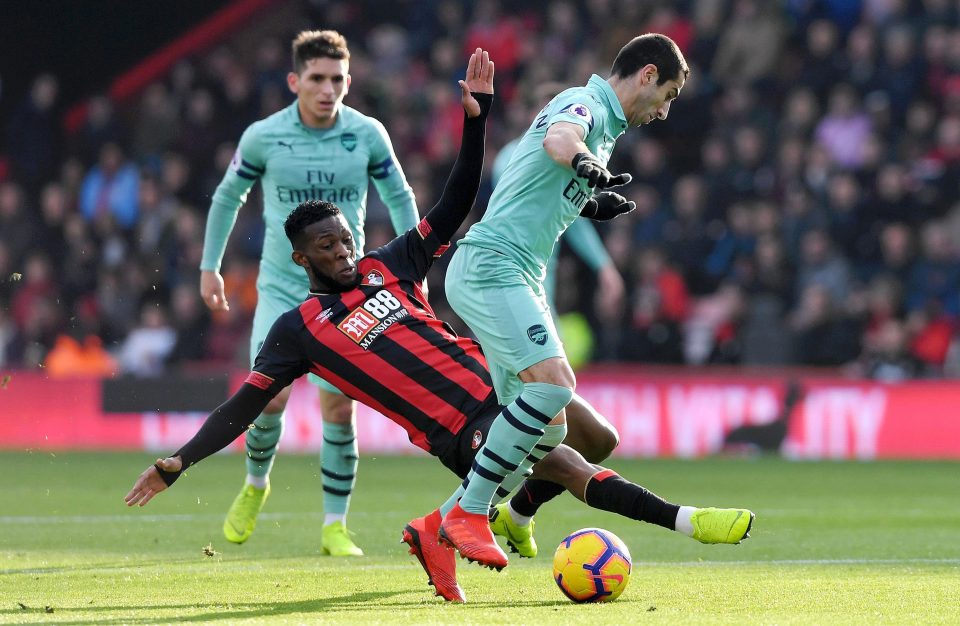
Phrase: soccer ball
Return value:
(592, 565)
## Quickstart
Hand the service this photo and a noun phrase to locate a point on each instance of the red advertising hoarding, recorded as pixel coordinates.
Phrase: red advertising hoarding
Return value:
(656, 414)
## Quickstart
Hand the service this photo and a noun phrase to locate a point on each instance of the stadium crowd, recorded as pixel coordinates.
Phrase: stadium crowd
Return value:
(800, 206)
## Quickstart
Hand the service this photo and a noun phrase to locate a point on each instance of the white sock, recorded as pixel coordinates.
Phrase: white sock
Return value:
(683, 523)
(519, 520)
(332, 518)
(260, 482)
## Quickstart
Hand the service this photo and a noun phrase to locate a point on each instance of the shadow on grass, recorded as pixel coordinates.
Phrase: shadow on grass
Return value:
(364, 601)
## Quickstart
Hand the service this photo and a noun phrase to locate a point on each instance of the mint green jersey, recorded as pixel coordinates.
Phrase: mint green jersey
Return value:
(293, 163)
(537, 199)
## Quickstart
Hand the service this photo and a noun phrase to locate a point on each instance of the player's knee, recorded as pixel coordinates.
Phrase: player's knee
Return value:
(607, 440)
(553, 371)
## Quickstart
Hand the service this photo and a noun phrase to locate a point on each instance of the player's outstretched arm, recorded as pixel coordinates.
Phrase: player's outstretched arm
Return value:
(460, 192)
(221, 427)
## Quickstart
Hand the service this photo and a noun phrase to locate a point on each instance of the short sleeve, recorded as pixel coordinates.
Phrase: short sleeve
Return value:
(578, 107)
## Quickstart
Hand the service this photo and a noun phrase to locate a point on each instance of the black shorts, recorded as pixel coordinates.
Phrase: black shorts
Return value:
(459, 456)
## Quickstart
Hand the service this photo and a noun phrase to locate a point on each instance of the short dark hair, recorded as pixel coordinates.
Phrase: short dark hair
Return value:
(316, 44)
(306, 213)
(652, 48)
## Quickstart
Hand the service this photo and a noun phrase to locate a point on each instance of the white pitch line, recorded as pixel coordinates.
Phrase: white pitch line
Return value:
(171, 517)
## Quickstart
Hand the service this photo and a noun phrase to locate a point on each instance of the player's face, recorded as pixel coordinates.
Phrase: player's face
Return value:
(652, 101)
(320, 89)
(328, 254)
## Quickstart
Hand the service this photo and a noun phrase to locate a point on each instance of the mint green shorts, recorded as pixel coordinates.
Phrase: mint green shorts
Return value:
(507, 312)
(271, 304)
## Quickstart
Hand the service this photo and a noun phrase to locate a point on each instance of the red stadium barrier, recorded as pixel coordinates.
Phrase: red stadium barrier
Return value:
(657, 415)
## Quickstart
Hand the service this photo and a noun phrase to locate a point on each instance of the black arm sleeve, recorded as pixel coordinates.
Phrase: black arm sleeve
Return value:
(225, 424)
(463, 183)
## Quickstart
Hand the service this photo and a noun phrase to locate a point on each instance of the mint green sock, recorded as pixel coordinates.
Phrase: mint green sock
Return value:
(552, 437)
(261, 443)
(512, 436)
(338, 466)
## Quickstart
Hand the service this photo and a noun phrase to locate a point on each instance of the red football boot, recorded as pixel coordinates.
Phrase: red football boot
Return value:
(470, 534)
(437, 559)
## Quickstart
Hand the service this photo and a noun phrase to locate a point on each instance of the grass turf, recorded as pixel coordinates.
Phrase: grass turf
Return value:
(833, 543)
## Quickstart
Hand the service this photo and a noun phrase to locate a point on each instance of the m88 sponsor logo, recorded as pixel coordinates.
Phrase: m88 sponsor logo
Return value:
(375, 315)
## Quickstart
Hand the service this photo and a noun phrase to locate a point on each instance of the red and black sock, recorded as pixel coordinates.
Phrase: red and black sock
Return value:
(606, 490)
(532, 494)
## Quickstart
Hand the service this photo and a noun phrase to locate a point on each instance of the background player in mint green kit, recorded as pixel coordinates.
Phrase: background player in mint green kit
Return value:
(495, 279)
(316, 148)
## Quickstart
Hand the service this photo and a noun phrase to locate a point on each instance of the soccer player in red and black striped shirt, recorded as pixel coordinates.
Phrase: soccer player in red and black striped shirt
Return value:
(368, 328)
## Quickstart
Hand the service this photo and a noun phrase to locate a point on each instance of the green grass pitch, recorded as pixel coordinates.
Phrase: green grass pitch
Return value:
(842, 543)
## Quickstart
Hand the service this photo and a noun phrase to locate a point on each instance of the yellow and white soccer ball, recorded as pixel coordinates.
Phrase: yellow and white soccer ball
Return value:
(592, 565)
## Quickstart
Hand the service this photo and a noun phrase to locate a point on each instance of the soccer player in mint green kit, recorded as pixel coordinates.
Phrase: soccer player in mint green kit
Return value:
(495, 279)
(316, 148)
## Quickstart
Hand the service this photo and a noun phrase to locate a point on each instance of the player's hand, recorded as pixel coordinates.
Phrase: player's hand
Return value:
(149, 483)
(479, 79)
(588, 166)
(211, 290)
(607, 205)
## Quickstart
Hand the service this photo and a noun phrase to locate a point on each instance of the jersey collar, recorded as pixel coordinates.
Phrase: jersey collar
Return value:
(294, 112)
(613, 103)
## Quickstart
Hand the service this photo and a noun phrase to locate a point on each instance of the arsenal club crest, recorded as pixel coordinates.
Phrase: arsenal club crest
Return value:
(373, 278)
(349, 141)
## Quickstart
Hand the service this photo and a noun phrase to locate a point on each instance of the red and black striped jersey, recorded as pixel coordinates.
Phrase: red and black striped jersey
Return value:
(381, 344)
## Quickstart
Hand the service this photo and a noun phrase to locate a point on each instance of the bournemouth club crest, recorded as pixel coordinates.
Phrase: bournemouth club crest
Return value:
(477, 439)
(373, 278)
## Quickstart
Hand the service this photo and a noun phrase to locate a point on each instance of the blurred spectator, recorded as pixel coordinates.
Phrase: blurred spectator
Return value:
(844, 130)
(156, 123)
(16, 224)
(900, 73)
(749, 47)
(99, 128)
(110, 188)
(862, 68)
(821, 266)
(934, 283)
(660, 306)
(33, 137)
(737, 241)
(822, 64)
(191, 321)
(711, 334)
(822, 334)
(148, 344)
(886, 356)
(896, 255)
(686, 234)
